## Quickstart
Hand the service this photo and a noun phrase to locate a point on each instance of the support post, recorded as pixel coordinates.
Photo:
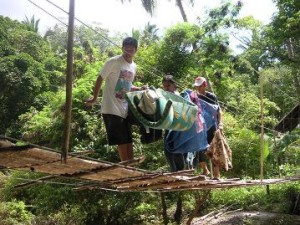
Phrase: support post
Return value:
(164, 208)
(69, 79)
(199, 203)
(261, 81)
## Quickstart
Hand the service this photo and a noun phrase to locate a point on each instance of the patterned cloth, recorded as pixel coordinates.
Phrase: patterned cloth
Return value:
(173, 112)
(220, 152)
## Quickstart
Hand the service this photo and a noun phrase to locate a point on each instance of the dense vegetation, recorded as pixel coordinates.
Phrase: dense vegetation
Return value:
(32, 94)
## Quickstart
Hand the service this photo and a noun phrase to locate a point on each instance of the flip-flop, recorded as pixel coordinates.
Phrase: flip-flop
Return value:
(205, 174)
(134, 161)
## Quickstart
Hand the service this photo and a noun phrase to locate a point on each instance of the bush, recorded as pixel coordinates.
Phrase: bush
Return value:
(14, 213)
(68, 214)
(281, 198)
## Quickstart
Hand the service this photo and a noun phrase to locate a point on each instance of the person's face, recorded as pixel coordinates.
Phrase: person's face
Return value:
(169, 86)
(200, 88)
(128, 52)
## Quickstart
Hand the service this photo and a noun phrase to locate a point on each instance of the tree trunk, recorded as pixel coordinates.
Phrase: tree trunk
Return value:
(291, 54)
(179, 4)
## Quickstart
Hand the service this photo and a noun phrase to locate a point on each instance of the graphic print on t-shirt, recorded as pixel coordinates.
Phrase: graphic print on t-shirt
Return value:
(124, 84)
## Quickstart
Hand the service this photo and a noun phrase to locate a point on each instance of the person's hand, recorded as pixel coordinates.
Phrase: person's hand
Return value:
(90, 102)
(220, 126)
(145, 87)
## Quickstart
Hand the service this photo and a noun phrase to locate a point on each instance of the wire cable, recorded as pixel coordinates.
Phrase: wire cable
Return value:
(47, 12)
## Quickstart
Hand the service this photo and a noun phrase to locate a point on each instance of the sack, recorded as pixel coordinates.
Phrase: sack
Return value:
(147, 102)
(220, 152)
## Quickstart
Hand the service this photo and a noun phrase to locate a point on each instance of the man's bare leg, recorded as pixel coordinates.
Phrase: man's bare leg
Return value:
(130, 151)
(125, 151)
(122, 149)
(205, 170)
(216, 172)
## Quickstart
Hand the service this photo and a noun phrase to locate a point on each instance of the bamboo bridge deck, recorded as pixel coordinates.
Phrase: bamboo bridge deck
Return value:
(86, 173)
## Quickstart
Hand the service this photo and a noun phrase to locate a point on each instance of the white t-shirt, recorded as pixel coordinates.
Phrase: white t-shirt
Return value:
(118, 75)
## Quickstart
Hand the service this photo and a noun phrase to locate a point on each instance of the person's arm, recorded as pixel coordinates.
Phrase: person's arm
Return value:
(220, 119)
(97, 88)
(135, 88)
(213, 97)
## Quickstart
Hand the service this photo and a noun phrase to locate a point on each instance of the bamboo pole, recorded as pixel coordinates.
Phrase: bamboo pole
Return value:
(68, 108)
(261, 80)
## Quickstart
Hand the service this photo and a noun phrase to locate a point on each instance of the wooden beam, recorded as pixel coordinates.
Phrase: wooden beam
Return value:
(68, 108)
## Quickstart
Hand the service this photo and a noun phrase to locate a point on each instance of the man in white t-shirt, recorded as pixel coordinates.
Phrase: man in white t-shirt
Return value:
(118, 73)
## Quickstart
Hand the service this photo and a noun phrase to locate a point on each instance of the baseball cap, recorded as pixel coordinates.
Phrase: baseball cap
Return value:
(169, 78)
(200, 81)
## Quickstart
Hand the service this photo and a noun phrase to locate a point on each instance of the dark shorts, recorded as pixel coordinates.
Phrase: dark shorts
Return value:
(176, 161)
(118, 129)
(201, 156)
(211, 134)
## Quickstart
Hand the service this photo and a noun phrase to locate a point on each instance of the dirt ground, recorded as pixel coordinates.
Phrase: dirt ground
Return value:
(247, 218)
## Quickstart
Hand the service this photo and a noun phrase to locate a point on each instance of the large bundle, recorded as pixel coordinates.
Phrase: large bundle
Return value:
(220, 152)
(162, 110)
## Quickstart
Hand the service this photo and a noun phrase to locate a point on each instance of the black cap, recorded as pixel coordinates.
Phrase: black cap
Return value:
(130, 41)
(169, 78)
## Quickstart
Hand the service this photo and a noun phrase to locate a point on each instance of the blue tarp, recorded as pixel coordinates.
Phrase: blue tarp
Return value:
(194, 139)
(209, 113)
(191, 140)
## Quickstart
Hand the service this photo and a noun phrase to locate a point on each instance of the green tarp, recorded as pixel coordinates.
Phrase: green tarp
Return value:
(172, 112)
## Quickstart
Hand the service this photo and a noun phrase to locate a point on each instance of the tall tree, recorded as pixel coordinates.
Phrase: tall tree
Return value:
(149, 34)
(22, 73)
(150, 5)
(31, 24)
(284, 35)
(182, 11)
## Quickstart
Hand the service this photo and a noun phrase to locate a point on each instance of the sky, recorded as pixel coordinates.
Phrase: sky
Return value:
(114, 15)
(118, 17)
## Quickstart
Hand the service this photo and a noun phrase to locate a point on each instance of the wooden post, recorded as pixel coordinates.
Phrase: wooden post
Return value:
(164, 208)
(261, 81)
(268, 189)
(178, 212)
(199, 203)
(68, 107)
